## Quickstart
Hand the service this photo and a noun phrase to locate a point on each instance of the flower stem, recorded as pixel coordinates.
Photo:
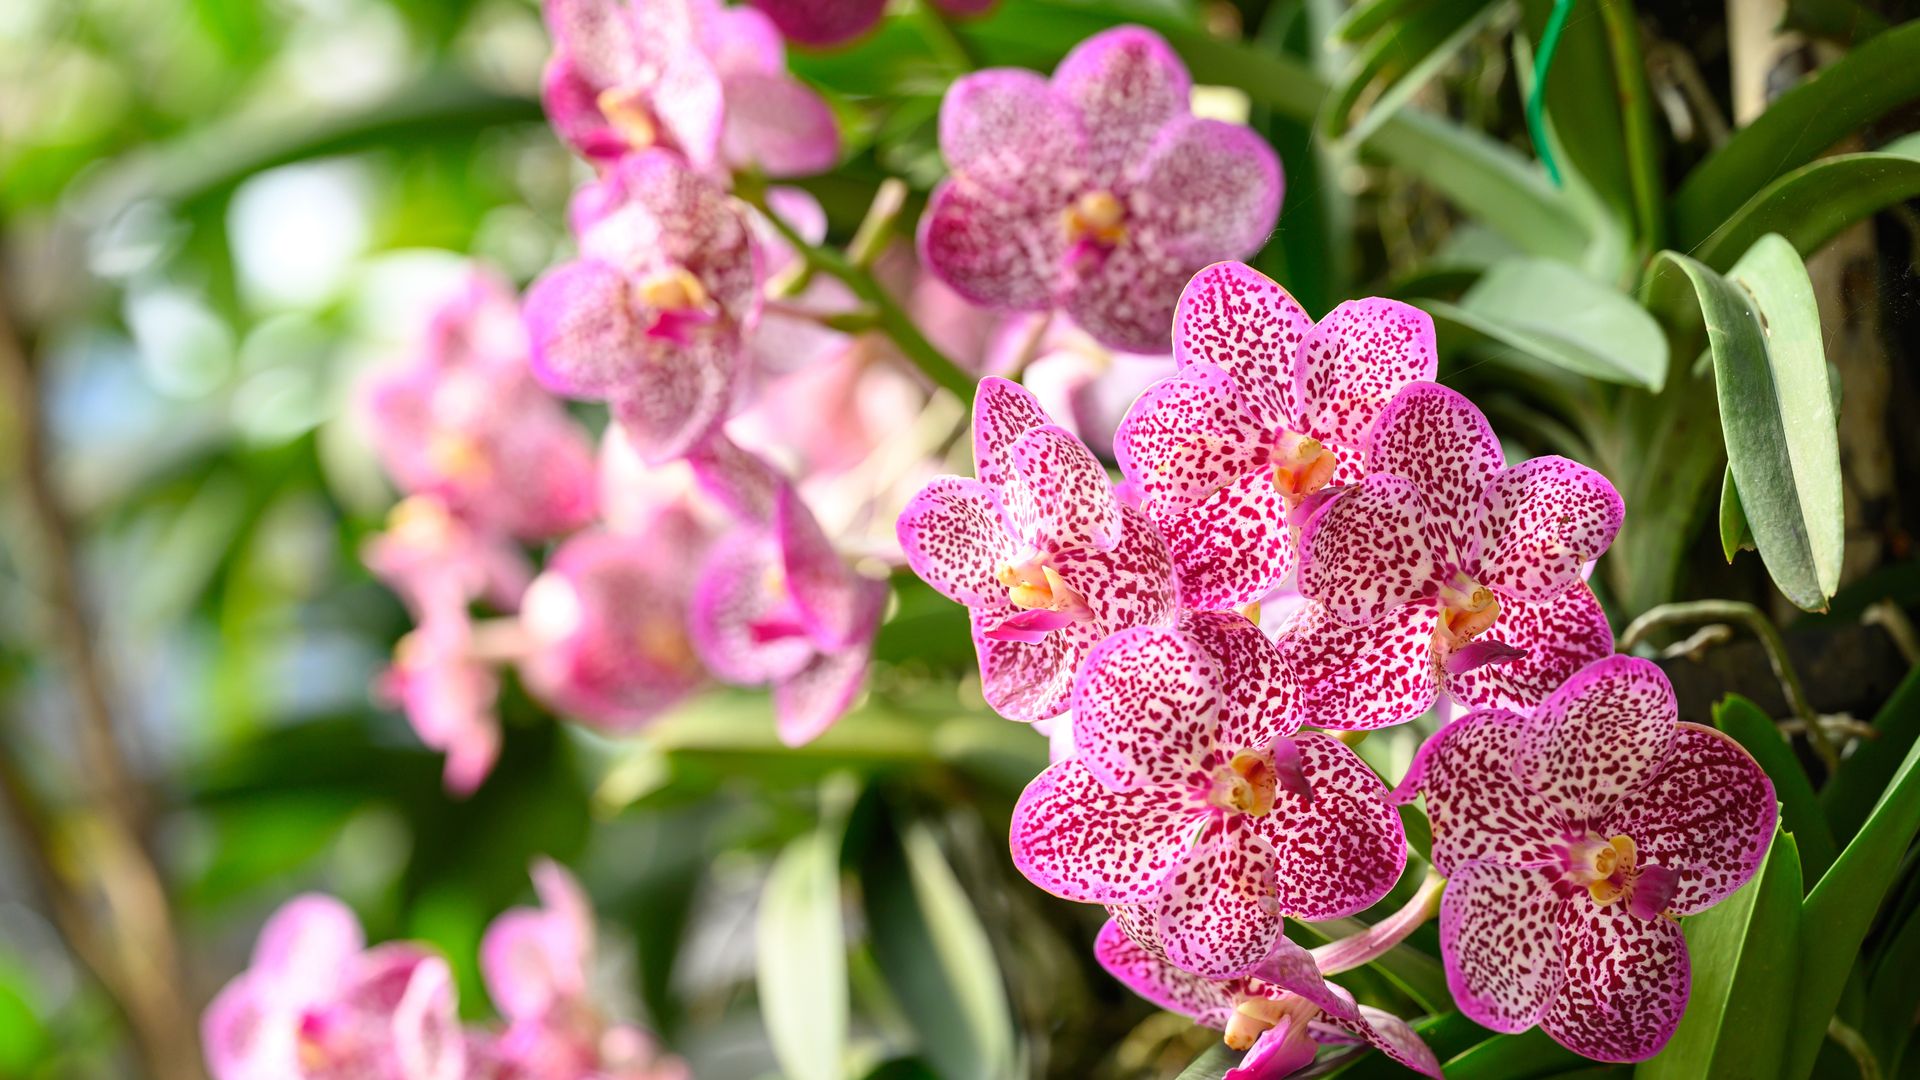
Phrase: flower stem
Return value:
(1744, 614)
(1373, 942)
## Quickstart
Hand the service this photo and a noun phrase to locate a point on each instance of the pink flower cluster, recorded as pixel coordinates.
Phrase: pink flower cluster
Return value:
(1202, 799)
(318, 1004)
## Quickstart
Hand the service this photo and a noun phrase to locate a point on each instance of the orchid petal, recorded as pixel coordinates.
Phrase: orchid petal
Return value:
(1003, 411)
(1598, 737)
(679, 401)
(1145, 709)
(1480, 809)
(1211, 188)
(1024, 680)
(305, 945)
(1395, 1038)
(808, 702)
(1062, 497)
(1235, 318)
(1359, 678)
(955, 536)
(1217, 916)
(826, 591)
(822, 23)
(1132, 585)
(1549, 517)
(1257, 694)
(745, 630)
(1124, 84)
(1434, 437)
(1370, 550)
(1355, 360)
(1235, 547)
(779, 124)
(1292, 968)
(1500, 939)
(1080, 840)
(1559, 636)
(998, 250)
(1707, 813)
(585, 337)
(1339, 847)
(1154, 978)
(1006, 130)
(1031, 626)
(1188, 437)
(1625, 986)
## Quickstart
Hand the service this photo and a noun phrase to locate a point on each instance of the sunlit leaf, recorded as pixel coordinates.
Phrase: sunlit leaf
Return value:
(801, 950)
(1549, 310)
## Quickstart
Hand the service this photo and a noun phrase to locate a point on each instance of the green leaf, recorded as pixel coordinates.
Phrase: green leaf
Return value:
(937, 957)
(1735, 534)
(1770, 376)
(1548, 309)
(1397, 61)
(801, 949)
(1815, 202)
(1415, 973)
(1800, 808)
(1447, 1034)
(1860, 87)
(1515, 1057)
(1842, 905)
(1849, 797)
(1213, 1063)
(1744, 969)
(1894, 996)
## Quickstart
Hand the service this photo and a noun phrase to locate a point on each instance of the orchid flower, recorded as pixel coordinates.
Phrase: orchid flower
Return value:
(316, 1004)
(825, 23)
(694, 77)
(1571, 837)
(1281, 1013)
(448, 694)
(1268, 409)
(651, 315)
(1444, 560)
(1195, 793)
(538, 967)
(1096, 192)
(437, 562)
(1046, 559)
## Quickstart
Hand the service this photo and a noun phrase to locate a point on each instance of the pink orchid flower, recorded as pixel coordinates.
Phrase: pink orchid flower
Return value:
(316, 1004)
(538, 967)
(606, 624)
(1446, 570)
(466, 423)
(1281, 1013)
(1195, 794)
(1268, 409)
(1571, 838)
(1044, 556)
(439, 563)
(694, 77)
(448, 694)
(825, 23)
(1097, 192)
(651, 316)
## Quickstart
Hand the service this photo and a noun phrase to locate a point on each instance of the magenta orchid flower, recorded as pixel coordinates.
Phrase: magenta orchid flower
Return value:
(1281, 1013)
(538, 966)
(776, 604)
(1268, 409)
(605, 625)
(1443, 561)
(1195, 793)
(693, 77)
(1044, 556)
(1096, 192)
(1571, 838)
(316, 1004)
(448, 694)
(651, 315)
(825, 23)
(466, 423)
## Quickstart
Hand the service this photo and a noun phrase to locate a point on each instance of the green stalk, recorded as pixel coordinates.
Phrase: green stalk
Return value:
(1636, 110)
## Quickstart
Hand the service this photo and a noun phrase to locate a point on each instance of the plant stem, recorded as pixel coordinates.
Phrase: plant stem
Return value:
(1636, 114)
(1744, 614)
(1369, 945)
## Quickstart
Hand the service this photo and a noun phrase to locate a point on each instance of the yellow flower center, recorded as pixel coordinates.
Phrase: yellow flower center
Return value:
(673, 290)
(1467, 609)
(1098, 216)
(457, 456)
(1246, 785)
(1032, 585)
(626, 110)
(1302, 465)
(663, 642)
(1610, 869)
(420, 521)
(1253, 1017)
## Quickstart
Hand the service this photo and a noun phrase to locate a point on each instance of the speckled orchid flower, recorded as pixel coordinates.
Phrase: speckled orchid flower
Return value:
(825, 23)
(1267, 410)
(1046, 559)
(651, 315)
(605, 625)
(776, 604)
(1096, 192)
(1194, 792)
(448, 694)
(1571, 837)
(1281, 1013)
(694, 77)
(316, 1004)
(1445, 569)
(465, 422)
(538, 966)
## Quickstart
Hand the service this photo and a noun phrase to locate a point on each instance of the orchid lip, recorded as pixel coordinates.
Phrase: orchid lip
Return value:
(1302, 465)
(1612, 872)
(626, 110)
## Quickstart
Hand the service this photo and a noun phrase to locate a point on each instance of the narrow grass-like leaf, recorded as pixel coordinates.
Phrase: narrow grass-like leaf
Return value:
(1396, 61)
(1812, 204)
(1849, 797)
(1213, 1063)
(801, 949)
(1525, 1056)
(1800, 812)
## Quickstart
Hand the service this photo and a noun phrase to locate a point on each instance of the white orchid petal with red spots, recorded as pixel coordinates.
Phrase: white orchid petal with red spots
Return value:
(1235, 547)
(1003, 411)
(1189, 436)
(1063, 492)
(955, 536)
(1235, 318)
(1479, 808)
(1029, 680)
(1395, 1038)
(1146, 710)
(1257, 692)
(1625, 986)
(1132, 585)
(1355, 360)
(1548, 518)
(1124, 84)
(1599, 736)
(1217, 916)
(1078, 839)
(1341, 849)
(1500, 937)
(1559, 636)
(1707, 813)
(1123, 295)
(1210, 189)
(1359, 678)
(1434, 437)
(679, 402)
(995, 248)
(1005, 127)
(1370, 550)
(1207, 1001)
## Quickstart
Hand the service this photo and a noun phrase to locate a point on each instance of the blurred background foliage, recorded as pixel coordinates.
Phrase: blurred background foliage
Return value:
(217, 213)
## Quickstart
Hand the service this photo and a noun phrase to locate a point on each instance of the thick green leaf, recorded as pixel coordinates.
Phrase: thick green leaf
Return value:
(936, 956)
(1863, 85)
(801, 949)
(1800, 812)
(1547, 309)
(1213, 1063)
(1735, 534)
(1524, 1056)
(1843, 904)
(1815, 202)
(1447, 1034)
(1770, 377)
(1397, 61)
(1744, 967)
(1849, 797)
